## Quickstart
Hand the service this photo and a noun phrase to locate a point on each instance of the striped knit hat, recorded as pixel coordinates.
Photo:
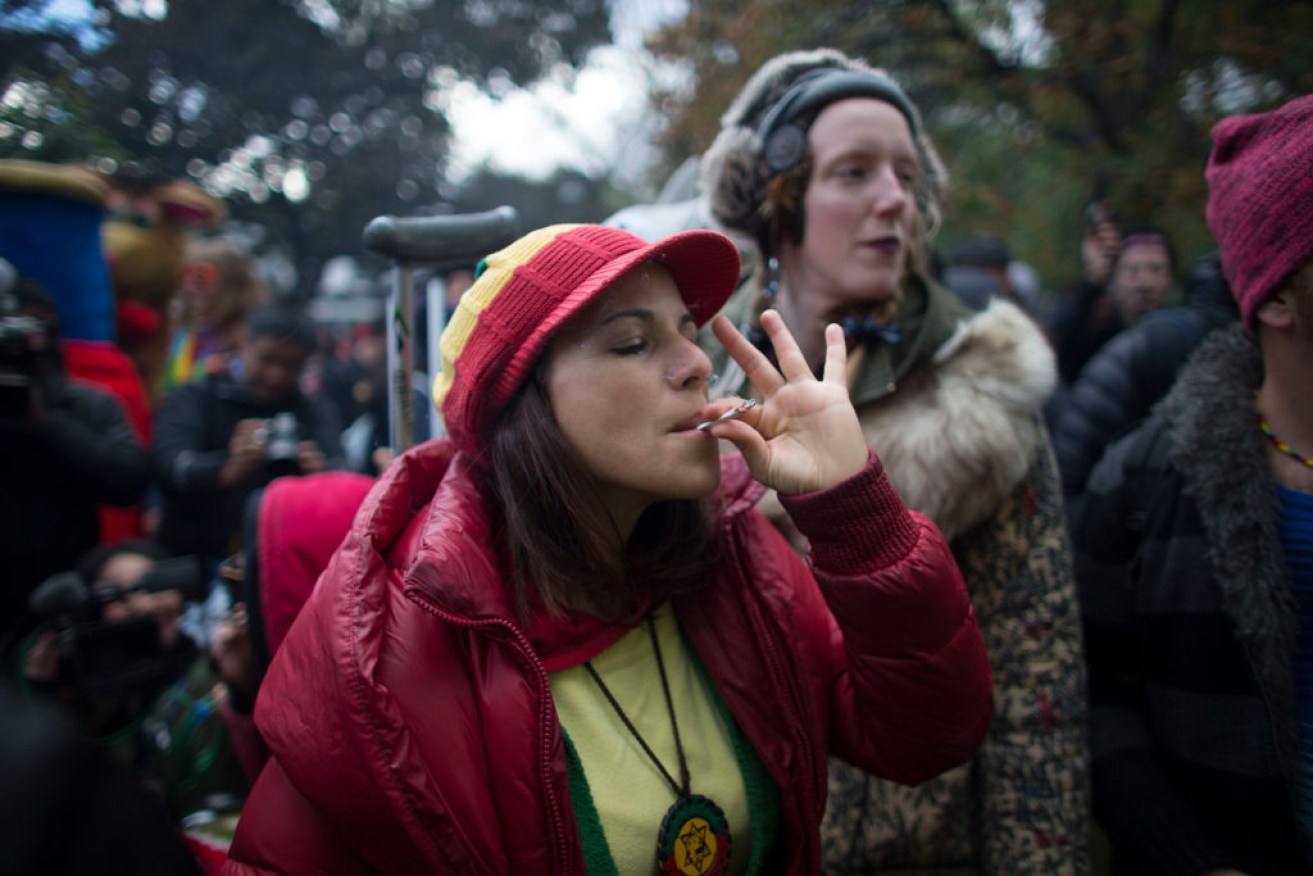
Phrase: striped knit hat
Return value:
(527, 291)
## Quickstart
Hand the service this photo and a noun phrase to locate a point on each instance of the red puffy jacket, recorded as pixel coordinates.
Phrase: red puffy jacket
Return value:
(411, 723)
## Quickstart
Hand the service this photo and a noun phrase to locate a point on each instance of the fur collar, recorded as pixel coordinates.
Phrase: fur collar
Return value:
(962, 430)
(1219, 452)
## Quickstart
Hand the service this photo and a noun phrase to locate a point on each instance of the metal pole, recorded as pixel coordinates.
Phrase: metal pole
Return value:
(436, 290)
(442, 242)
(401, 359)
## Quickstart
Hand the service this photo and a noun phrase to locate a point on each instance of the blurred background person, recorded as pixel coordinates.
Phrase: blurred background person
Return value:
(1143, 274)
(67, 809)
(1121, 383)
(51, 221)
(1195, 553)
(355, 383)
(824, 163)
(1083, 319)
(65, 448)
(1126, 273)
(150, 223)
(980, 268)
(218, 288)
(113, 650)
(219, 438)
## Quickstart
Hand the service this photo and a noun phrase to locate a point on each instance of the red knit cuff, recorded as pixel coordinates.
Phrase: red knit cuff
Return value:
(856, 526)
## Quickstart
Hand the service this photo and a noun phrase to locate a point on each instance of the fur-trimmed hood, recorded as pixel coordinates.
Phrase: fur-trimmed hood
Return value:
(1220, 455)
(962, 430)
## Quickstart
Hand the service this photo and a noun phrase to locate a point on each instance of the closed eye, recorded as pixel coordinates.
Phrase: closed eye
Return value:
(630, 348)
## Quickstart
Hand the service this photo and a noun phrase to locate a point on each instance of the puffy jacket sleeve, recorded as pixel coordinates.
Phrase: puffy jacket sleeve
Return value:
(1116, 389)
(282, 832)
(911, 696)
(1022, 804)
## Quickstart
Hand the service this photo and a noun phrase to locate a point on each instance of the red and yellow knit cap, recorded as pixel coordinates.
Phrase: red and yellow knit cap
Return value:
(527, 291)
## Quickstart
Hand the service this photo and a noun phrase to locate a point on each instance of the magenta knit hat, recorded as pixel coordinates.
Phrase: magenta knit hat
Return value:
(527, 291)
(1260, 199)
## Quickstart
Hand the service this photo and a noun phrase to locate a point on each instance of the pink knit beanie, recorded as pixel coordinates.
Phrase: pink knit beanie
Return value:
(1260, 199)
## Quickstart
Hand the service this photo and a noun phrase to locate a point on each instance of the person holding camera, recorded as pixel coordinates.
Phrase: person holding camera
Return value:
(113, 649)
(220, 438)
(64, 449)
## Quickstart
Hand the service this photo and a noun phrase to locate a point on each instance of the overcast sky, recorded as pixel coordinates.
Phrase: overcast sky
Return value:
(596, 122)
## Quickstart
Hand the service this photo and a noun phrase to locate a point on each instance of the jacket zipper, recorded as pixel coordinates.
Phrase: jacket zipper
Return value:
(789, 696)
(555, 816)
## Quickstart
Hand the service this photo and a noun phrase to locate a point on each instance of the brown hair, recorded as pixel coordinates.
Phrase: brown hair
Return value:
(237, 288)
(558, 535)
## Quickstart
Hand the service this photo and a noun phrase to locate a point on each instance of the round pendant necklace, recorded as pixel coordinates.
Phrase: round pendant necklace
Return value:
(694, 837)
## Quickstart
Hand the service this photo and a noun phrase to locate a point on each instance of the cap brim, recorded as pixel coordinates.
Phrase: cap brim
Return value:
(704, 264)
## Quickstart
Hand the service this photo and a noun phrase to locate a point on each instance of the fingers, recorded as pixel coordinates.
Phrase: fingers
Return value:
(766, 376)
(747, 439)
(248, 437)
(250, 430)
(792, 364)
(836, 357)
(756, 367)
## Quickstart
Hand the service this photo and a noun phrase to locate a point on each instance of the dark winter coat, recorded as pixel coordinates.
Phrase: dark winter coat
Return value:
(1189, 630)
(1083, 321)
(54, 474)
(1121, 383)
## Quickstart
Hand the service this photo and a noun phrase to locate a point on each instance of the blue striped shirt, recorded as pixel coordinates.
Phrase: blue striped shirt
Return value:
(1297, 544)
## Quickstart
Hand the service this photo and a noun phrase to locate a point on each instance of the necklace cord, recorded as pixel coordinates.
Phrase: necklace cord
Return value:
(670, 705)
(1266, 429)
(680, 790)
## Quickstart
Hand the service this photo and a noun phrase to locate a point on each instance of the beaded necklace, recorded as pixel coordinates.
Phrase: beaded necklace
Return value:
(1285, 448)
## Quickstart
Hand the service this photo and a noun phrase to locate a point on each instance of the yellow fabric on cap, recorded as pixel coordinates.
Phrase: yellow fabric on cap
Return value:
(500, 268)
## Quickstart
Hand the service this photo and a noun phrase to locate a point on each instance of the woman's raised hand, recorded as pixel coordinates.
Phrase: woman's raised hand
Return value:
(804, 436)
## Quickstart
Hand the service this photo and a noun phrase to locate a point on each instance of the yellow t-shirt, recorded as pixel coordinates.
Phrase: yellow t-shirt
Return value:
(629, 792)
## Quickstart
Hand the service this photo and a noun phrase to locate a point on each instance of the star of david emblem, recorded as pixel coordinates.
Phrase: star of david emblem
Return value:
(696, 848)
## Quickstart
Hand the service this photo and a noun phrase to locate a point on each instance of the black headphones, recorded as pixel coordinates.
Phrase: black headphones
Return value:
(784, 142)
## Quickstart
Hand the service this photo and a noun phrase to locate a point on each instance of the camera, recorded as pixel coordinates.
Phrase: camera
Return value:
(23, 339)
(99, 656)
(284, 440)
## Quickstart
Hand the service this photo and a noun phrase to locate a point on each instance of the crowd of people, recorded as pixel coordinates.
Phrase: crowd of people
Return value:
(763, 536)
